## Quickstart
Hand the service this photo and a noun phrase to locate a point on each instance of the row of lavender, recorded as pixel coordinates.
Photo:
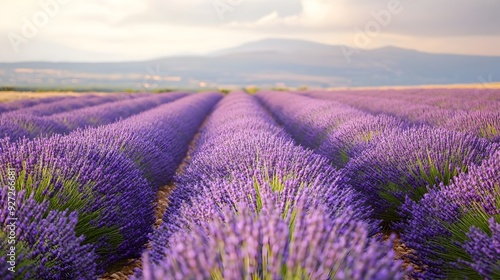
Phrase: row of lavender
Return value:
(38, 121)
(439, 188)
(68, 104)
(253, 205)
(26, 103)
(476, 112)
(85, 201)
(465, 99)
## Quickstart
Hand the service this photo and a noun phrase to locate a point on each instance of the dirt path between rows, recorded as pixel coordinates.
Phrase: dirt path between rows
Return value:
(403, 253)
(127, 268)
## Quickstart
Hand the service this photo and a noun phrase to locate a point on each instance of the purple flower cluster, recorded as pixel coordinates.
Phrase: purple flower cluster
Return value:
(405, 163)
(21, 124)
(98, 173)
(353, 137)
(391, 103)
(240, 141)
(484, 249)
(308, 120)
(46, 244)
(245, 244)
(101, 184)
(248, 184)
(250, 202)
(17, 126)
(484, 124)
(454, 230)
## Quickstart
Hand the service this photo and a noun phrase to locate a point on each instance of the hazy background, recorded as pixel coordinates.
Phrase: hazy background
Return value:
(144, 30)
(113, 30)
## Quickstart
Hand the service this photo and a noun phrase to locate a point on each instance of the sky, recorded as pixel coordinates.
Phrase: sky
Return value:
(123, 30)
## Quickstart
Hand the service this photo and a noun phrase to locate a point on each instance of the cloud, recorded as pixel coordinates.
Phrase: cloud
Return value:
(204, 12)
(121, 29)
(418, 18)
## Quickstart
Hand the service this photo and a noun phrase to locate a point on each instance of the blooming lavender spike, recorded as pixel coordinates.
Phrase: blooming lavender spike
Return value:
(111, 112)
(444, 228)
(484, 250)
(405, 163)
(483, 124)
(73, 174)
(65, 104)
(156, 140)
(46, 242)
(246, 244)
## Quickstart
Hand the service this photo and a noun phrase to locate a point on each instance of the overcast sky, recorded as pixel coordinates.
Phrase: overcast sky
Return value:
(111, 30)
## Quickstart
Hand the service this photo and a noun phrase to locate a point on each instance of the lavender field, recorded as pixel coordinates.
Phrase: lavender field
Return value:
(344, 184)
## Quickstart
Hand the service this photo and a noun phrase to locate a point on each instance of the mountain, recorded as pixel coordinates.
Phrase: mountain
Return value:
(264, 63)
(278, 45)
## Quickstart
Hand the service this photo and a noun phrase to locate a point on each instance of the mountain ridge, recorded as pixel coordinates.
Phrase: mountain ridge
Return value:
(266, 62)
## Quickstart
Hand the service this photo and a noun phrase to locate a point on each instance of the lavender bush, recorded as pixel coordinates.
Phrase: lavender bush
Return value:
(404, 163)
(46, 242)
(269, 245)
(454, 229)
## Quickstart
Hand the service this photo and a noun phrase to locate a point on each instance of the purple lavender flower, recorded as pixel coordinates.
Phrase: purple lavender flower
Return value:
(308, 120)
(484, 249)
(92, 172)
(112, 112)
(406, 162)
(99, 183)
(156, 140)
(246, 244)
(46, 242)
(444, 228)
(483, 124)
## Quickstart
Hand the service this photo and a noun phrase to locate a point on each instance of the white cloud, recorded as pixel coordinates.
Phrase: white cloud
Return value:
(139, 29)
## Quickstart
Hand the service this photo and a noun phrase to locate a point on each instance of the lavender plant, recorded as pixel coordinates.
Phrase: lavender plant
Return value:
(100, 184)
(46, 243)
(65, 104)
(404, 163)
(454, 229)
(465, 110)
(305, 244)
